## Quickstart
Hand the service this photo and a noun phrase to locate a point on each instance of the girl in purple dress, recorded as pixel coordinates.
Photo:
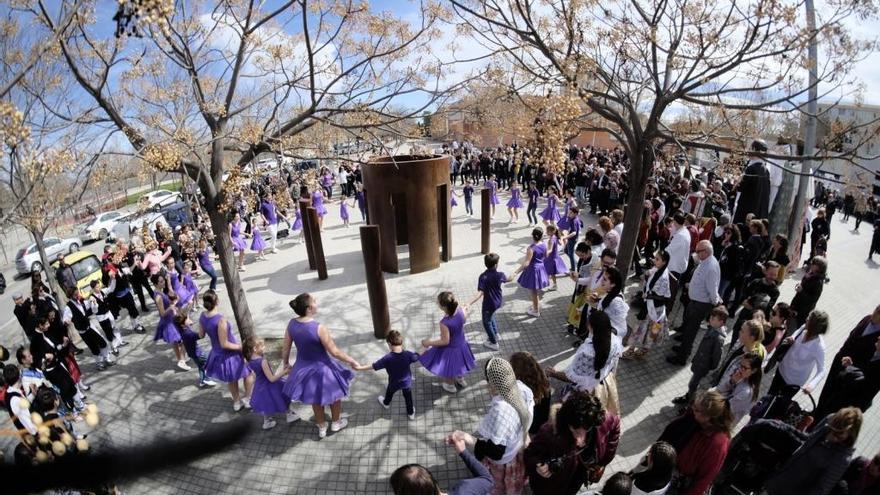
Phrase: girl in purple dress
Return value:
(492, 186)
(534, 273)
(452, 202)
(238, 243)
(316, 378)
(173, 280)
(257, 243)
(514, 203)
(553, 263)
(343, 210)
(165, 329)
(550, 214)
(450, 356)
(268, 396)
(318, 205)
(225, 362)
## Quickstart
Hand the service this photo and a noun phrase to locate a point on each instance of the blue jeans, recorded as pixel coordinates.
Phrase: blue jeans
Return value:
(469, 205)
(490, 325)
(569, 250)
(211, 273)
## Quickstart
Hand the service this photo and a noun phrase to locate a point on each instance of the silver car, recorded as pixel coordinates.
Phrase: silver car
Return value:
(27, 260)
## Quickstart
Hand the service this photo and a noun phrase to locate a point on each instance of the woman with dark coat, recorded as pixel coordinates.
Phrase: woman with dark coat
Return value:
(819, 228)
(809, 290)
(573, 448)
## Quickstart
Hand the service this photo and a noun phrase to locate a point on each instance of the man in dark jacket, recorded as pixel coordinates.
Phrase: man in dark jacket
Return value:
(859, 351)
(26, 313)
(754, 187)
(64, 275)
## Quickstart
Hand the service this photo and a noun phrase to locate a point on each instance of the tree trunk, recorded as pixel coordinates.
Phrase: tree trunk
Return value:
(47, 268)
(234, 290)
(639, 173)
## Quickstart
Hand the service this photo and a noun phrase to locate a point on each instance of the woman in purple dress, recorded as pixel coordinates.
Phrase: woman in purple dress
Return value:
(492, 186)
(205, 262)
(450, 356)
(514, 203)
(316, 378)
(238, 243)
(268, 396)
(534, 273)
(553, 263)
(550, 214)
(318, 205)
(165, 329)
(225, 362)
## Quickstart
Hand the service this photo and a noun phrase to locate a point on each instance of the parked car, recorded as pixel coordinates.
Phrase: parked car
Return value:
(27, 260)
(86, 267)
(172, 215)
(101, 226)
(161, 197)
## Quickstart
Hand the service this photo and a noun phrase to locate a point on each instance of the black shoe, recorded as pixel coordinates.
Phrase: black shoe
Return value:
(676, 360)
(571, 330)
(577, 344)
(115, 352)
(77, 351)
(684, 399)
(144, 309)
(139, 329)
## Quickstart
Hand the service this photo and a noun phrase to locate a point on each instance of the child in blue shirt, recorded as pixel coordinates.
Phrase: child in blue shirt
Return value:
(397, 364)
(190, 343)
(489, 285)
(469, 198)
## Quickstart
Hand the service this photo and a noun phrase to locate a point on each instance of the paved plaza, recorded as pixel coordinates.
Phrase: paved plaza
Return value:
(143, 397)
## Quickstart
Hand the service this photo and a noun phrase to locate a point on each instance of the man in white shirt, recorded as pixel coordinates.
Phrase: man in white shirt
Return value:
(16, 403)
(703, 295)
(679, 250)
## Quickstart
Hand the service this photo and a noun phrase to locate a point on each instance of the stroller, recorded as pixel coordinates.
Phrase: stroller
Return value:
(759, 450)
(782, 408)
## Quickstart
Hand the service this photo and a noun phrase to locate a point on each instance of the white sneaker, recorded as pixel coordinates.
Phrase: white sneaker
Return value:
(183, 366)
(490, 345)
(411, 416)
(292, 417)
(532, 312)
(381, 400)
(247, 403)
(236, 406)
(460, 382)
(274, 251)
(322, 431)
(338, 425)
(268, 424)
(449, 387)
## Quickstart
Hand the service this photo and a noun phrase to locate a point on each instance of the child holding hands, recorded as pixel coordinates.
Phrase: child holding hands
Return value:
(397, 364)
(267, 397)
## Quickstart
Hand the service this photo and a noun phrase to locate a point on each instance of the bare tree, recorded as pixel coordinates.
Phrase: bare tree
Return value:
(633, 63)
(210, 80)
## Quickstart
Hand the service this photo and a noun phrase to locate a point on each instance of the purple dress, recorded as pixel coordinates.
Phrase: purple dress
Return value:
(257, 243)
(267, 397)
(183, 291)
(238, 243)
(297, 221)
(165, 329)
(535, 275)
(456, 358)
(343, 210)
(553, 263)
(515, 201)
(493, 191)
(316, 378)
(452, 202)
(550, 213)
(318, 203)
(223, 364)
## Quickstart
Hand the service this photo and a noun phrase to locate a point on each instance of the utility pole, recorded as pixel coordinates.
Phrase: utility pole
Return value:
(795, 227)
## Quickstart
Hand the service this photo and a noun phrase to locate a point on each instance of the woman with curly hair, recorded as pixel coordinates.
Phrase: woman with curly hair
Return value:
(529, 371)
(573, 448)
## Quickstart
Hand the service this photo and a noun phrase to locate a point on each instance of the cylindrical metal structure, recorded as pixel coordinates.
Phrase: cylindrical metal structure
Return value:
(317, 244)
(485, 217)
(371, 248)
(307, 231)
(403, 197)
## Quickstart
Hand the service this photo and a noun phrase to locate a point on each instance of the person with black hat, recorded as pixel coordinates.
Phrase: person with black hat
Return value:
(754, 186)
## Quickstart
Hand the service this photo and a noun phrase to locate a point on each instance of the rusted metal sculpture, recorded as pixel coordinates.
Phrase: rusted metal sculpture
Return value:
(408, 198)
(485, 218)
(371, 248)
(307, 232)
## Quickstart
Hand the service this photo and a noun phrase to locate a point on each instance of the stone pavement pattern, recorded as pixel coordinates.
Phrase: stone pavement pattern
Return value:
(143, 397)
